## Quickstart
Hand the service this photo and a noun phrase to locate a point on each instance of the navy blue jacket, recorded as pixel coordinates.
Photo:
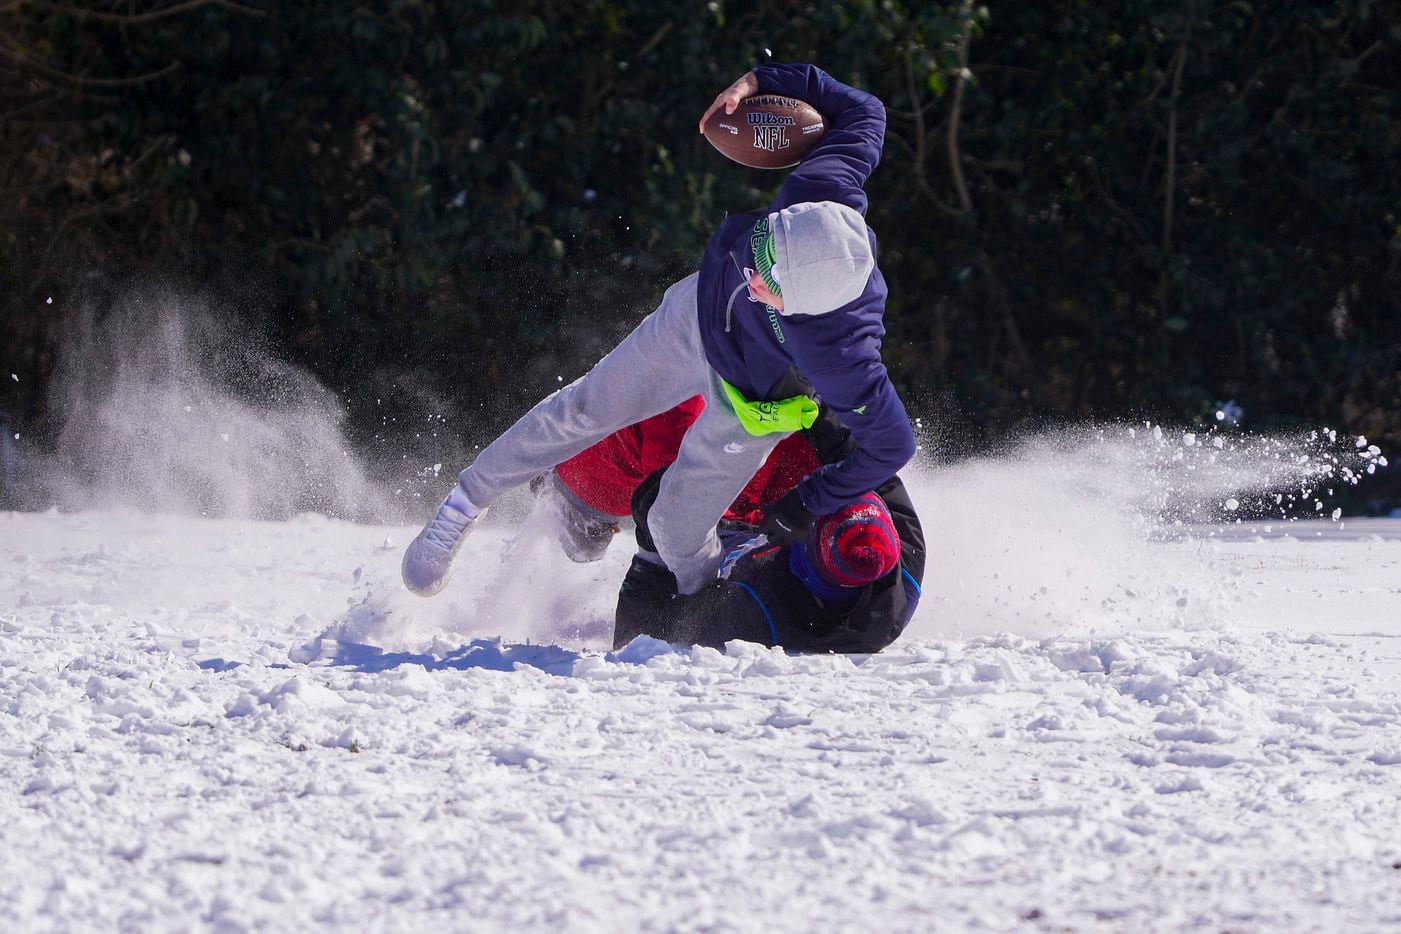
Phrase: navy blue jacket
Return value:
(838, 353)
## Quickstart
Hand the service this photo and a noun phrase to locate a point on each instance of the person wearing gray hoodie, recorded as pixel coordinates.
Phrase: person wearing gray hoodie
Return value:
(785, 309)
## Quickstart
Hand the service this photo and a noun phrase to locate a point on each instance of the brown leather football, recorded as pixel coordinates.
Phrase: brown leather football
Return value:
(766, 131)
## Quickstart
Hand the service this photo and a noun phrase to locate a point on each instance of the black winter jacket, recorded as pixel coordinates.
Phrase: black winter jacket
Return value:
(761, 601)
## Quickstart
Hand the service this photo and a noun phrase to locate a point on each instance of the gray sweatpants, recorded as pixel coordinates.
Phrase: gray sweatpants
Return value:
(660, 364)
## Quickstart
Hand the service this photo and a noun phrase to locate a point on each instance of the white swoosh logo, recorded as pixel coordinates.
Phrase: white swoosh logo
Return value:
(733, 448)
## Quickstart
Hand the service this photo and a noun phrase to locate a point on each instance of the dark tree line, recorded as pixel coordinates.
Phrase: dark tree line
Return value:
(1085, 210)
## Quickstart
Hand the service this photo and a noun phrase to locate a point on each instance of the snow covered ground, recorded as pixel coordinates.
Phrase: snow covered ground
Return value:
(238, 725)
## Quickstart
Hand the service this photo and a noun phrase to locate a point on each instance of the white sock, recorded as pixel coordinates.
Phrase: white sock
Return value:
(458, 500)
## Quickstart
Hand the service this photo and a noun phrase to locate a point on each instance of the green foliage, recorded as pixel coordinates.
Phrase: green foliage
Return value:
(1263, 272)
(1083, 211)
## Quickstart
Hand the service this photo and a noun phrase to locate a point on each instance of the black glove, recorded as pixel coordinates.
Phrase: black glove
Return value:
(830, 439)
(787, 520)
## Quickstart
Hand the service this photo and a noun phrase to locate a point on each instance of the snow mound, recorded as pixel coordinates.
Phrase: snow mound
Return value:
(204, 732)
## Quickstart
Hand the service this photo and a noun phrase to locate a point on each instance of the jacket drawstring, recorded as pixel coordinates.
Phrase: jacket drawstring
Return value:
(730, 305)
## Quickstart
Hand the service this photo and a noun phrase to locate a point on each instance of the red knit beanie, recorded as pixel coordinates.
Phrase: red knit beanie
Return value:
(856, 544)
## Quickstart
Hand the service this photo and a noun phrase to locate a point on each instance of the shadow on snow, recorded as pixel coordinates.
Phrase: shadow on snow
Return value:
(491, 654)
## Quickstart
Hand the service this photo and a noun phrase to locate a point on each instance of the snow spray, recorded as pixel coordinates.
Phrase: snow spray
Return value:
(1090, 531)
(510, 581)
(1101, 528)
(165, 405)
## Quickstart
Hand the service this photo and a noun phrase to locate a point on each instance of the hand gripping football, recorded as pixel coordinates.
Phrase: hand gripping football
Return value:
(766, 131)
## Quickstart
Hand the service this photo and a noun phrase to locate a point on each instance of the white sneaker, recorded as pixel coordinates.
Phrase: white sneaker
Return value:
(428, 559)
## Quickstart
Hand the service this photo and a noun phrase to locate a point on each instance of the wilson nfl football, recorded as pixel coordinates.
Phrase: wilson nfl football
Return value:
(766, 131)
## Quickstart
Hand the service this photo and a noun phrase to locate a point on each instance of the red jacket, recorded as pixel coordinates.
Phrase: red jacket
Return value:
(605, 475)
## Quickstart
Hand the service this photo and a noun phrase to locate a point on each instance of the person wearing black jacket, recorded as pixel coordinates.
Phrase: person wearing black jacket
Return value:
(776, 594)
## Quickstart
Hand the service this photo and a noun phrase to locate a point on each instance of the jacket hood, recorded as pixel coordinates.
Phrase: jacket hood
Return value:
(823, 256)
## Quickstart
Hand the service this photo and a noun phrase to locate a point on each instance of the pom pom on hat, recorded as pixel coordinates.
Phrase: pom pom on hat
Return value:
(857, 544)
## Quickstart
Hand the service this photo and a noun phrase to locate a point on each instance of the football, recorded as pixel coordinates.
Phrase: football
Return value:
(766, 131)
